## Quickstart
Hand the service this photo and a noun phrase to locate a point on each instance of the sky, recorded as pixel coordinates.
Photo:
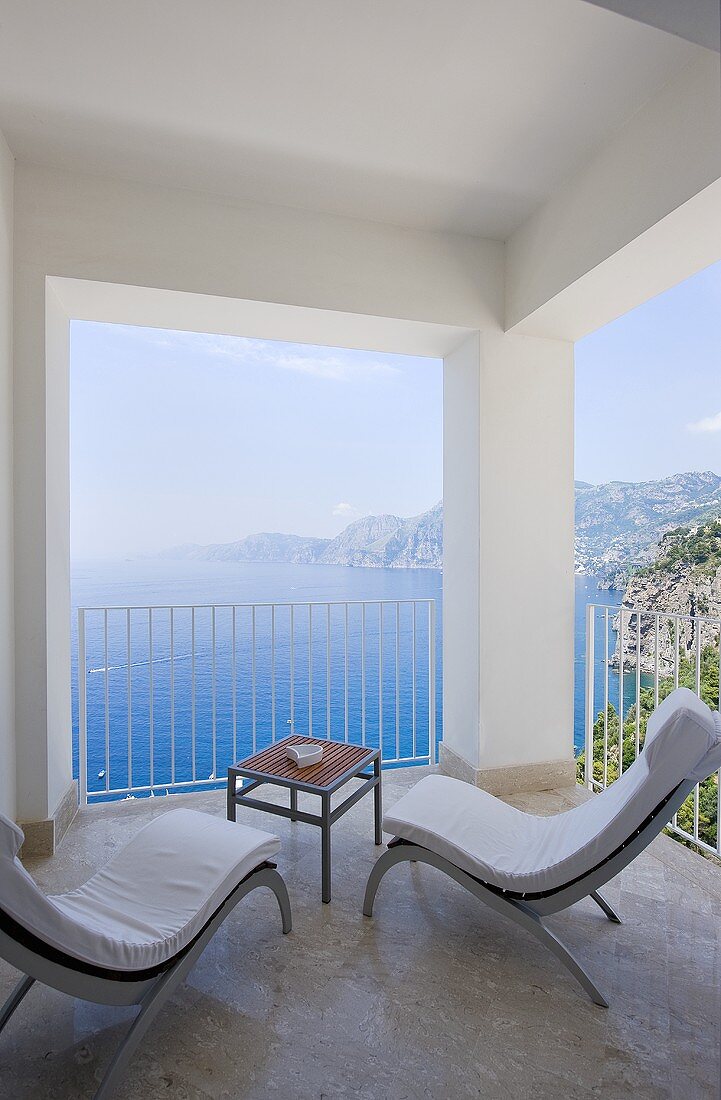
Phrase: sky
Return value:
(648, 388)
(183, 437)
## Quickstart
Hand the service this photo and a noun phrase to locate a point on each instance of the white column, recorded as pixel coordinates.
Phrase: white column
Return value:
(46, 795)
(508, 562)
(462, 555)
(57, 565)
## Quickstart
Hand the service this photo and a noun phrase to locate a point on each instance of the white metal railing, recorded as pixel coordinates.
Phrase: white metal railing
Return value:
(169, 696)
(634, 657)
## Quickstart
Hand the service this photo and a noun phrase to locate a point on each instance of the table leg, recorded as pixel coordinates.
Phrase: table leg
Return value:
(378, 802)
(293, 803)
(325, 847)
(230, 797)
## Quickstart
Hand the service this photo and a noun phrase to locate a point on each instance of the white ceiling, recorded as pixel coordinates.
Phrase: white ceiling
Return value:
(444, 114)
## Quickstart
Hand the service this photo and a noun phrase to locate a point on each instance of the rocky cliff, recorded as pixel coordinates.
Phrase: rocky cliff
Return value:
(683, 580)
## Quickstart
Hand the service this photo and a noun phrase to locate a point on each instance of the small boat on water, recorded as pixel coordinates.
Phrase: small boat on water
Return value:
(101, 773)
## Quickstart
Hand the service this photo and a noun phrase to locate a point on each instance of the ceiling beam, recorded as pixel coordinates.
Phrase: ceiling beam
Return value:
(668, 153)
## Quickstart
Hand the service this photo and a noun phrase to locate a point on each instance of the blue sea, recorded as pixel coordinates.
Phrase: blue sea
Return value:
(323, 699)
(202, 677)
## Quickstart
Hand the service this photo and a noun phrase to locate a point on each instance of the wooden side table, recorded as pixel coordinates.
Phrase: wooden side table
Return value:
(341, 762)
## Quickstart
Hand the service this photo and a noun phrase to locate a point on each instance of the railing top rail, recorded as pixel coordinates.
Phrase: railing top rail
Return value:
(262, 603)
(657, 614)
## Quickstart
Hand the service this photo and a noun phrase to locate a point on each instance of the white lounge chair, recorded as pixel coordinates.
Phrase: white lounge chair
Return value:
(131, 934)
(527, 867)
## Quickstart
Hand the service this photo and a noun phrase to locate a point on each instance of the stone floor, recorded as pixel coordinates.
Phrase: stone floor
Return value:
(435, 997)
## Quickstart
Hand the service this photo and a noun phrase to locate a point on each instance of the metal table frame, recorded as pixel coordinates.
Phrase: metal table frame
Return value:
(237, 795)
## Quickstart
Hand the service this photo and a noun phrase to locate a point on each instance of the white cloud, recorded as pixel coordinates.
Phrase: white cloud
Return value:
(708, 424)
(329, 363)
(346, 510)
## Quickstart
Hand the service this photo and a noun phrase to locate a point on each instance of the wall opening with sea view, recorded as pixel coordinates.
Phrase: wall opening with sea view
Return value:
(648, 504)
(257, 528)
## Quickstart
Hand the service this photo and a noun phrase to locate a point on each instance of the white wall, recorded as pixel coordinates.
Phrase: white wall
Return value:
(7, 685)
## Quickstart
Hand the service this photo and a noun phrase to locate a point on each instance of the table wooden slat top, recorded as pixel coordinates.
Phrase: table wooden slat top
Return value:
(338, 759)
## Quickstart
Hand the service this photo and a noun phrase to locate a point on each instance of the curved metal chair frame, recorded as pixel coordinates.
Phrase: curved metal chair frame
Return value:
(529, 909)
(150, 989)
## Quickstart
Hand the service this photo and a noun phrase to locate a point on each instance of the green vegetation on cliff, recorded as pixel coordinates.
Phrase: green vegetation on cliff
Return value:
(708, 801)
(698, 548)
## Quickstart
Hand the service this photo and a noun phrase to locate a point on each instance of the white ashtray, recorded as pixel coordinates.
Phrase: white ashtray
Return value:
(304, 755)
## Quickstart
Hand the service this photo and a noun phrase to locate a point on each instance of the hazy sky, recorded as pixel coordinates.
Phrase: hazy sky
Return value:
(179, 437)
(648, 388)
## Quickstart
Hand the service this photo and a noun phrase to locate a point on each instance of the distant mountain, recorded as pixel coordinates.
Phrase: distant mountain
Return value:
(389, 542)
(268, 546)
(618, 524)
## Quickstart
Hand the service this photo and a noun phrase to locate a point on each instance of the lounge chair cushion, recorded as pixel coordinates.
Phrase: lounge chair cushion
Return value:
(524, 853)
(149, 901)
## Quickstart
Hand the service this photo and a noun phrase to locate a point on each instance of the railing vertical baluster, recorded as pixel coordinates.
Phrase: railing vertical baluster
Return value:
(718, 774)
(327, 672)
(676, 669)
(129, 651)
(213, 691)
(590, 691)
(637, 746)
(363, 674)
(292, 668)
(398, 678)
(272, 673)
(151, 699)
(82, 710)
(172, 696)
(234, 682)
(380, 676)
(413, 684)
(345, 672)
(432, 681)
(605, 701)
(655, 660)
(107, 701)
(698, 627)
(192, 693)
(252, 678)
(310, 669)
(620, 692)
(697, 634)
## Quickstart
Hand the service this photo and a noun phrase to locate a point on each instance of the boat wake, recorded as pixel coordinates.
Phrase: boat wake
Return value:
(141, 664)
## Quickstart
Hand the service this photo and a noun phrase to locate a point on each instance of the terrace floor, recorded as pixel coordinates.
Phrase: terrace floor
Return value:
(436, 997)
